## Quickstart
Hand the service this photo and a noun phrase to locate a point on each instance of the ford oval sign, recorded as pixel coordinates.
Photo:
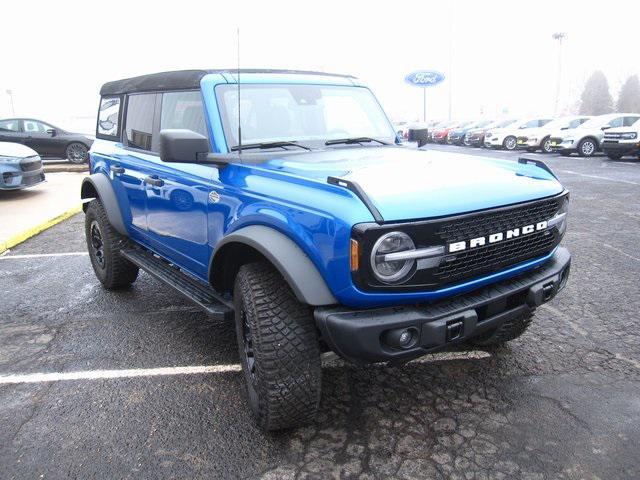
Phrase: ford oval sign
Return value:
(424, 78)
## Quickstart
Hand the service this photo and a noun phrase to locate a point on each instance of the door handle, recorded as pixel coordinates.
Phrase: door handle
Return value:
(154, 180)
(116, 169)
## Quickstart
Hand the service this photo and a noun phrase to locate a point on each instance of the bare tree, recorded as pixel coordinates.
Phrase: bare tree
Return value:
(596, 99)
(629, 98)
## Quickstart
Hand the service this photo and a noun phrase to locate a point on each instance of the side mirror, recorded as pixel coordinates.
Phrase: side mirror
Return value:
(419, 135)
(52, 131)
(606, 127)
(564, 128)
(183, 146)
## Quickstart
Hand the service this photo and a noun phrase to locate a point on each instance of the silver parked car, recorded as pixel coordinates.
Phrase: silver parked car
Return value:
(20, 167)
(586, 139)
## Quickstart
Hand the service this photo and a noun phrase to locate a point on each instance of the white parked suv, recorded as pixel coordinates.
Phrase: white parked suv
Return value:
(586, 139)
(540, 138)
(622, 141)
(507, 138)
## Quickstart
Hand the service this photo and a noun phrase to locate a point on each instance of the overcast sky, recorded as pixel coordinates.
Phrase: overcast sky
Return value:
(56, 55)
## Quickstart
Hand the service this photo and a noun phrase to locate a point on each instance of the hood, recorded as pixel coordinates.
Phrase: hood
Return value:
(10, 149)
(406, 184)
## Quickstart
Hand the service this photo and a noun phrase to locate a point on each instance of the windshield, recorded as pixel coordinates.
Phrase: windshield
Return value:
(308, 114)
(597, 122)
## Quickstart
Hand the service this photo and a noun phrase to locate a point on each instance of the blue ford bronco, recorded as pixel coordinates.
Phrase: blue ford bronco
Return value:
(283, 201)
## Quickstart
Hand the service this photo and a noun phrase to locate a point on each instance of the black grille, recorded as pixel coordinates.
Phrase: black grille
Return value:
(30, 165)
(493, 257)
(500, 221)
(473, 262)
(496, 256)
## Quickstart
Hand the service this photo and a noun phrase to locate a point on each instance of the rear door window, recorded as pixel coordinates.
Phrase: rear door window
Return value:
(183, 110)
(139, 121)
(9, 126)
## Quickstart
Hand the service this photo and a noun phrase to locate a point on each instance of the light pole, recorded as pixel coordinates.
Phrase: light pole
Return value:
(558, 36)
(13, 110)
(450, 55)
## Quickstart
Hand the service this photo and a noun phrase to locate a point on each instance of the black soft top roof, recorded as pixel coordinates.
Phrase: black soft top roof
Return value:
(182, 80)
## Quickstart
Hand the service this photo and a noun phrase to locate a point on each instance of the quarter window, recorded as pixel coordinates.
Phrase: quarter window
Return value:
(108, 117)
(9, 126)
(139, 122)
(183, 110)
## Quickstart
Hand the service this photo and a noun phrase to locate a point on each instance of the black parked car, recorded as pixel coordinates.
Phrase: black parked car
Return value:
(47, 140)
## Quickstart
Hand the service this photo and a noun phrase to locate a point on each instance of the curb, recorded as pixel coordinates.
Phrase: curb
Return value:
(32, 232)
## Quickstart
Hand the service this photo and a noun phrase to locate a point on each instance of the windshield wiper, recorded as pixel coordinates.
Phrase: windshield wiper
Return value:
(349, 141)
(265, 145)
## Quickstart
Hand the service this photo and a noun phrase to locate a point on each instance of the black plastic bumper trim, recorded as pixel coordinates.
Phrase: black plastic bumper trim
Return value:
(356, 335)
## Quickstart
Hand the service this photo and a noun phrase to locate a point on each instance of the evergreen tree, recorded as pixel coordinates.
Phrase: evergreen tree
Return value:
(596, 99)
(629, 98)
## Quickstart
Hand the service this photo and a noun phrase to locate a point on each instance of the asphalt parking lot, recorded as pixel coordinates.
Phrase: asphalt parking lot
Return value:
(563, 401)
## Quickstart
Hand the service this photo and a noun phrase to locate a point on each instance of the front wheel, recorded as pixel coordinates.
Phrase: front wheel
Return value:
(509, 143)
(77, 153)
(546, 145)
(104, 244)
(279, 349)
(587, 147)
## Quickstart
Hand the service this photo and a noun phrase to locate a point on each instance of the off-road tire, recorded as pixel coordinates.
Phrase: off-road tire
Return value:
(114, 271)
(508, 331)
(283, 388)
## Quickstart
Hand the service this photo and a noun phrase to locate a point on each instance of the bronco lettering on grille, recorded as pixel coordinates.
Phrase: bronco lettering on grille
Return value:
(496, 237)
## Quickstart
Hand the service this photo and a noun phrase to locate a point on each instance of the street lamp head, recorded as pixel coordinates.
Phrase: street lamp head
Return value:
(558, 36)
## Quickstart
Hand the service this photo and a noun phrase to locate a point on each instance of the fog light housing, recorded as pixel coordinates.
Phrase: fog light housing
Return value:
(401, 338)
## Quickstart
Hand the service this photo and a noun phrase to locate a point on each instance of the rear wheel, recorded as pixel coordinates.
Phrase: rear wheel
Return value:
(509, 330)
(77, 153)
(509, 143)
(104, 244)
(279, 349)
(587, 147)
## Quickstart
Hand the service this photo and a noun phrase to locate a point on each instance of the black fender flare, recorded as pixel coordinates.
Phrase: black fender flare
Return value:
(98, 185)
(287, 257)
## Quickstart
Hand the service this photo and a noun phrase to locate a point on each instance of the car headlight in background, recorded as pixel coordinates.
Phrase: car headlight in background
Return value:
(533, 140)
(4, 159)
(629, 135)
(390, 270)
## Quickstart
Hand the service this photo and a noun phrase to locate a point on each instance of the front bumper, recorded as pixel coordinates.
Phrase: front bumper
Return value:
(528, 143)
(493, 141)
(23, 174)
(358, 335)
(621, 148)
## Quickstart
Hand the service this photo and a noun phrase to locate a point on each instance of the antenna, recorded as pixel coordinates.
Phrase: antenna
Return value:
(239, 123)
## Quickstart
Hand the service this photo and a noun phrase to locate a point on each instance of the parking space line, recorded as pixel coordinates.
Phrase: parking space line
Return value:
(598, 177)
(201, 369)
(40, 255)
(621, 252)
(114, 374)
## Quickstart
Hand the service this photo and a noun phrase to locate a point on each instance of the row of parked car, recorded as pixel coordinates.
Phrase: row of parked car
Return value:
(615, 134)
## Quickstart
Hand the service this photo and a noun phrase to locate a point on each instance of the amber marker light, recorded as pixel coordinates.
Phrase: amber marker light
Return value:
(355, 255)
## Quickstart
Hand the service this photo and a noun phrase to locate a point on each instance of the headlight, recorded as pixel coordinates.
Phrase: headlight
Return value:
(568, 139)
(4, 159)
(629, 135)
(396, 270)
(533, 140)
(560, 219)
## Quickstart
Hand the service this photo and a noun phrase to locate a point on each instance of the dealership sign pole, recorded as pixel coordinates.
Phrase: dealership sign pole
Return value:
(424, 79)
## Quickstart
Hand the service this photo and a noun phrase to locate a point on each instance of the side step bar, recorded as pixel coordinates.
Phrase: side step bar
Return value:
(195, 290)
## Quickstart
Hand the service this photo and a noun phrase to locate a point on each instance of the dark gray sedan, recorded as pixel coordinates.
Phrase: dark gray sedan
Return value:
(47, 140)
